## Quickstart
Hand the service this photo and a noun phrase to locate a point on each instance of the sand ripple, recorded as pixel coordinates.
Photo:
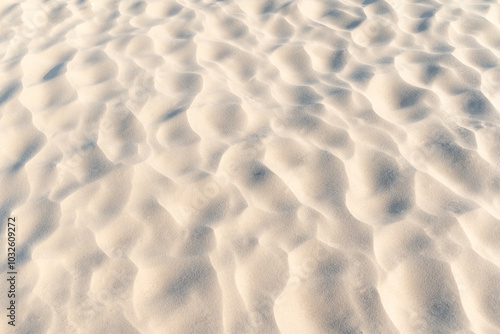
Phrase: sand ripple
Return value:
(259, 166)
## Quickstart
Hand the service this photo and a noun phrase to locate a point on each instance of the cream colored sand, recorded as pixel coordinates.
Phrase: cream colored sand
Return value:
(251, 166)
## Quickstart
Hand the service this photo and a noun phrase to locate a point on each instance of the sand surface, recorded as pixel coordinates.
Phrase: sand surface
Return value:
(251, 166)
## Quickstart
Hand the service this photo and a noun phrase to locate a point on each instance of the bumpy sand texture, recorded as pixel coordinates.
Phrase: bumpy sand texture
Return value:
(257, 166)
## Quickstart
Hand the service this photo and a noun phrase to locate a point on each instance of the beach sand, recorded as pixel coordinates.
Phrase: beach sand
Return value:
(251, 166)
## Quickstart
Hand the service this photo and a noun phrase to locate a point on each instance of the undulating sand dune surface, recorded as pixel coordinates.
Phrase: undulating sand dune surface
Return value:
(250, 166)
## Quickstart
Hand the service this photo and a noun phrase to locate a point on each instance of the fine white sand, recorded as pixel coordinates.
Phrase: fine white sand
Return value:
(251, 166)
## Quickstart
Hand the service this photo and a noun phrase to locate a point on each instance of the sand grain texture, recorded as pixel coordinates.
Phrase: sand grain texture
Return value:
(267, 166)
